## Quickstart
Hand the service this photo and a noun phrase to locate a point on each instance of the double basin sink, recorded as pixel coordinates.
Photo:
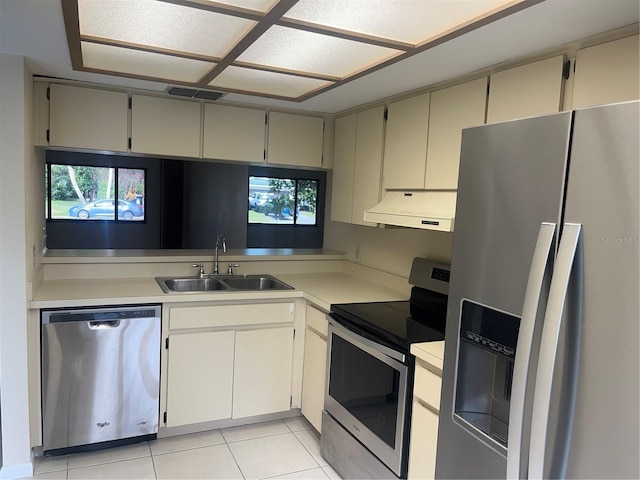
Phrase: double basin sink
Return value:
(220, 282)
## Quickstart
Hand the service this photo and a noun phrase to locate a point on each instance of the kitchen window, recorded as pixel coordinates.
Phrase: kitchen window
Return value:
(82, 192)
(282, 201)
(285, 207)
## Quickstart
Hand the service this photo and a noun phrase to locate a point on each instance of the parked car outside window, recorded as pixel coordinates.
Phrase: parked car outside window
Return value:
(106, 209)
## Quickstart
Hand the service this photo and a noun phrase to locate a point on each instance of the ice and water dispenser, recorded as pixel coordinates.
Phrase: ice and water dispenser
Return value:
(487, 350)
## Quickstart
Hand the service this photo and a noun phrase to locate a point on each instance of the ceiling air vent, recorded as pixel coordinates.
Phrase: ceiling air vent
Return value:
(208, 95)
(190, 92)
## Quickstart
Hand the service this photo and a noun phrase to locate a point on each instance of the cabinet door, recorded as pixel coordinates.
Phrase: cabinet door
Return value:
(423, 444)
(315, 368)
(526, 91)
(199, 377)
(88, 118)
(262, 376)
(232, 133)
(165, 126)
(607, 73)
(452, 109)
(344, 157)
(405, 149)
(368, 163)
(295, 140)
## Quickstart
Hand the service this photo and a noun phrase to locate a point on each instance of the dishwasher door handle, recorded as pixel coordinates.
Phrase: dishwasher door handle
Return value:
(103, 324)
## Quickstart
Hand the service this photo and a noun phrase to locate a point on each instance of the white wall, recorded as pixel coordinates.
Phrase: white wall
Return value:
(15, 147)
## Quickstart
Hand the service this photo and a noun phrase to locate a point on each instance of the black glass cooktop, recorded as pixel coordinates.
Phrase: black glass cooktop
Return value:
(397, 324)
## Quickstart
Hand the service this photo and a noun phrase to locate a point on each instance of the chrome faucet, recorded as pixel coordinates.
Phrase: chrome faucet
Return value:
(215, 258)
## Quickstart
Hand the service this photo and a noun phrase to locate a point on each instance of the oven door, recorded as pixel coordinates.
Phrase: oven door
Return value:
(366, 392)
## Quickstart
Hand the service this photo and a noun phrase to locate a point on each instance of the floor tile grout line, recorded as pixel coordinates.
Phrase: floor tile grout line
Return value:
(235, 461)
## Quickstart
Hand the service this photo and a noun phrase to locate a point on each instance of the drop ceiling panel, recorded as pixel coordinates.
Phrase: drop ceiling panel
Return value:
(293, 49)
(407, 21)
(143, 64)
(261, 6)
(266, 83)
(162, 25)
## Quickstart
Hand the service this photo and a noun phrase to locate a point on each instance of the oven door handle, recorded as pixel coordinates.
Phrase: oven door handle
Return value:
(359, 336)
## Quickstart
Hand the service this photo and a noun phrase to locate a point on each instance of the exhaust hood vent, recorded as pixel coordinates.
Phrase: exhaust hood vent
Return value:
(416, 209)
(191, 92)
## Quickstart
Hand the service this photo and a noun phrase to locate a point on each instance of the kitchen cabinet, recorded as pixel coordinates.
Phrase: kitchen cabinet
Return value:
(607, 73)
(228, 361)
(262, 371)
(344, 159)
(88, 118)
(164, 126)
(314, 372)
(405, 149)
(357, 169)
(295, 140)
(200, 377)
(526, 91)
(232, 133)
(426, 409)
(452, 109)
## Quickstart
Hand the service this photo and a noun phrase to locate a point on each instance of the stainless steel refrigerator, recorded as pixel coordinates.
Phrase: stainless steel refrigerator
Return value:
(541, 366)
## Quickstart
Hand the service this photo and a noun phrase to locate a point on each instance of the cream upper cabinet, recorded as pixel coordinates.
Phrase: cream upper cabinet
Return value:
(200, 377)
(232, 133)
(357, 165)
(295, 140)
(452, 109)
(88, 118)
(262, 371)
(607, 73)
(405, 149)
(368, 166)
(315, 366)
(344, 159)
(526, 91)
(165, 126)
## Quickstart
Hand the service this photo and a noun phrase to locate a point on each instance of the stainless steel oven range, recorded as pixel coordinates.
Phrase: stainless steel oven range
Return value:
(370, 372)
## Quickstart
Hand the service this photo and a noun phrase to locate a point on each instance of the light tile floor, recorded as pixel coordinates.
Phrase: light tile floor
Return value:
(288, 448)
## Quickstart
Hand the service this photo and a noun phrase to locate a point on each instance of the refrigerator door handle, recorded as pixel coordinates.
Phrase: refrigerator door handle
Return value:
(534, 304)
(565, 275)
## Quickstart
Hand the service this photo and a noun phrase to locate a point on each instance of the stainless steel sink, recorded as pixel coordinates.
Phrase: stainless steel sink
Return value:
(255, 282)
(220, 282)
(190, 284)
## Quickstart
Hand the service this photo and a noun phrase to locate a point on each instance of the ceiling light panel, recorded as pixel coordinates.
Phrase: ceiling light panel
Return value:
(266, 83)
(143, 64)
(162, 25)
(262, 6)
(293, 49)
(407, 21)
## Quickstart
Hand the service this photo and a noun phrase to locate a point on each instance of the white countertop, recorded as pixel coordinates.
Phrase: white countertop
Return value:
(431, 353)
(322, 289)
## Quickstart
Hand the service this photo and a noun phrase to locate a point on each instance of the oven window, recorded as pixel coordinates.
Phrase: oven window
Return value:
(367, 387)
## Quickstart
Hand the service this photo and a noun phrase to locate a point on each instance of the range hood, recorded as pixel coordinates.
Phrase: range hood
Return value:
(428, 210)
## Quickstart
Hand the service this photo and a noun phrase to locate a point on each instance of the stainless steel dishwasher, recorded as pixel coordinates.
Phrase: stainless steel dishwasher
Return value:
(100, 377)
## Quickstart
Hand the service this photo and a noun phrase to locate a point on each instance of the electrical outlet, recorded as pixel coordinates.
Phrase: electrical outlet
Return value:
(357, 254)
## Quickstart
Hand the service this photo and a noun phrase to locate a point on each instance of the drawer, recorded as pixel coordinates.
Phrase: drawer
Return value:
(317, 320)
(212, 316)
(427, 387)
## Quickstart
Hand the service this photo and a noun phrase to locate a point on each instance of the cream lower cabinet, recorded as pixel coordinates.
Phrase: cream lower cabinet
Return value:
(314, 372)
(228, 361)
(424, 422)
(262, 371)
(200, 377)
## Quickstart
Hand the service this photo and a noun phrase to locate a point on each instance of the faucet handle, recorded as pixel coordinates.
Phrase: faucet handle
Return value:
(230, 268)
(201, 267)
